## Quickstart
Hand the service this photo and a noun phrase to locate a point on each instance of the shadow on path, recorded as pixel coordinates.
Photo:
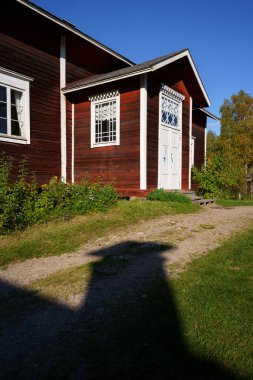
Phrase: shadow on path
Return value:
(127, 326)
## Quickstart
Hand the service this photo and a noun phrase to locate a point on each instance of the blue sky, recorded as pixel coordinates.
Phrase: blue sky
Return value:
(219, 34)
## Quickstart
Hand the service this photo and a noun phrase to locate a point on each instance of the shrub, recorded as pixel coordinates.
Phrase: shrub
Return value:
(167, 196)
(23, 202)
(217, 179)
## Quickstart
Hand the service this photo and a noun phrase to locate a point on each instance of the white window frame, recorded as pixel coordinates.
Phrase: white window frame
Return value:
(99, 99)
(19, 82)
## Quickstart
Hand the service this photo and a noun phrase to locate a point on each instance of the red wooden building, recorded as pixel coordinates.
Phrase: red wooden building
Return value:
(73, 107)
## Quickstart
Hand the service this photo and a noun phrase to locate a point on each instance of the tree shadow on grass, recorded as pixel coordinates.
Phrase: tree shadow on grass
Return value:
(127, 326)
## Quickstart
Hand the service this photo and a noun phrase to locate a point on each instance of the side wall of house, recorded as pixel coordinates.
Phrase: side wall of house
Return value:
(25, 49)
(198, 131)
(172, 77)
(119, 164)
(31, 46)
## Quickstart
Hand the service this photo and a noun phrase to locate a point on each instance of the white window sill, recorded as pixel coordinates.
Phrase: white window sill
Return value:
(101, 145)
(14, 139)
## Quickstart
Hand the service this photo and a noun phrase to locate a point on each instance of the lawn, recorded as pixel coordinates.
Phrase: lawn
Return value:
(234, 202)
(55, 238)
(196, 326)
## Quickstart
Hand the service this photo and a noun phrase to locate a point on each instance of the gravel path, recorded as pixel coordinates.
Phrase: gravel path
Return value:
(191, 234)
(35, 331)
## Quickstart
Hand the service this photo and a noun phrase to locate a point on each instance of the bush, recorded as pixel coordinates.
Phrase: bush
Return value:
(218, 179)
(23, 202)
(167, 196)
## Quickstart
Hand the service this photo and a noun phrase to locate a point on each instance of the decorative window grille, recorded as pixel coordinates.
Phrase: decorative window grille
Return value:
(105, 119)
(171, 107)
(14, 107)
(170, 112)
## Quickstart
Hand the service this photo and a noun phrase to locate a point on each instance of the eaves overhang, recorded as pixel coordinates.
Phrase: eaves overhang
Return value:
(137, 69)
(209, 114)
(68, 26)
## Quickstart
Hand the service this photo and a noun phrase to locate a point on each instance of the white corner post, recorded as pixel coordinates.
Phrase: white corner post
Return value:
(73, 144)
(143, 132)
(205, 142)
(190, 145)
(63, 108)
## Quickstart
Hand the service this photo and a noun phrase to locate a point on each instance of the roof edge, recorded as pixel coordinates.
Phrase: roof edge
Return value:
(66, 90)
(151, 67)
(181, 54)
(209, 114)
(67, 25)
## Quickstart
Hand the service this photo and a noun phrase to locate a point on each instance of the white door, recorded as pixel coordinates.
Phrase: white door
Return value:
(169, 164)
(175, 159)
(170, 171)
(165, 158)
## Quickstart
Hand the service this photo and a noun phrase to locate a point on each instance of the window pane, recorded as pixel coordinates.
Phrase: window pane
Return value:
(16, 113)
(105, 130)
(15, 128)
(3, 126)
(3, 110)
(3, 96)
(16, 97)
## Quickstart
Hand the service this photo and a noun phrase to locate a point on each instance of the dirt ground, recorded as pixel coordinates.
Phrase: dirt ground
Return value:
(191, 235)
(36, 331)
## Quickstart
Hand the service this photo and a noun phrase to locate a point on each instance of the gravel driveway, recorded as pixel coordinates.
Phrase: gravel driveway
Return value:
(32, 326)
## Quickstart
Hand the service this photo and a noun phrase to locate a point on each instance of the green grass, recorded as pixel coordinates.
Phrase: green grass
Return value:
(167, 196)
(55, 238)
(207, 226)
(234, 203)
(199, 326)
(214, 297)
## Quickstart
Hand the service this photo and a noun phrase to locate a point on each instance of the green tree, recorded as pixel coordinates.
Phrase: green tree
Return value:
(236, 138)
(211, 143)
(229, 169)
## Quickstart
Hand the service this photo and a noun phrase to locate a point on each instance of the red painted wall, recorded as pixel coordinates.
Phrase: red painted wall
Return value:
(30, 45)
(118, 164)
(198, 131)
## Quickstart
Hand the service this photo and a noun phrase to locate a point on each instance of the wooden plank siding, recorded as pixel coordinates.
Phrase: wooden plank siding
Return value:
(31, 46)
(43, 154)
(198, 131)
(119, 164)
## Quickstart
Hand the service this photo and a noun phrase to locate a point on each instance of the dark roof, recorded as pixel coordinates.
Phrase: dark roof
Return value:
(121, 72)
(72, 28)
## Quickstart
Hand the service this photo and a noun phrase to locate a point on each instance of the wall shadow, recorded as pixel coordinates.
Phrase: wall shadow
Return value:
(125, 327)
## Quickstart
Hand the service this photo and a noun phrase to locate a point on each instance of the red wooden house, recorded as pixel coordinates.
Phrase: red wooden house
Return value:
(72, 106)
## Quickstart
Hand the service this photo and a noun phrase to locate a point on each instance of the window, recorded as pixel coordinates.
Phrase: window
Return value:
(170, 111)
(105, 119)
(171, 107)
(14, 107)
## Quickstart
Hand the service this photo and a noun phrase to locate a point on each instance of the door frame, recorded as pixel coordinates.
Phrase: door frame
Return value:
(179, 98)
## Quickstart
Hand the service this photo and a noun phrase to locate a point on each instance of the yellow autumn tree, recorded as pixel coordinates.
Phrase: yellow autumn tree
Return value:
(236, 137)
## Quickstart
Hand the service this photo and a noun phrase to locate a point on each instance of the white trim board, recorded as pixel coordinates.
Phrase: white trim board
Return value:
(155, 67)
(143, 132)
(63, 109)
(73, 144)
(190, 137)
(73, 30)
